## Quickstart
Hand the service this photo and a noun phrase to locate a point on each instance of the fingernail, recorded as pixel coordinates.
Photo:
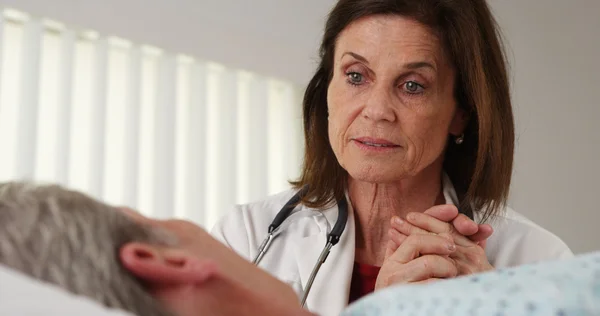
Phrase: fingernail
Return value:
(451, 247)
(398, 220)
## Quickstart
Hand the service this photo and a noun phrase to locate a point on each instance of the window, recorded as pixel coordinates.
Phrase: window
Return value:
(131, 124)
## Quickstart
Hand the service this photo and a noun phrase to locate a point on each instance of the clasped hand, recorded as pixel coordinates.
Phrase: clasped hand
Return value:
(437, 244)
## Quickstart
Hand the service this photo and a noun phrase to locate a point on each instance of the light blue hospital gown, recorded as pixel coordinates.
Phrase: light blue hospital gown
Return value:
(554, 288)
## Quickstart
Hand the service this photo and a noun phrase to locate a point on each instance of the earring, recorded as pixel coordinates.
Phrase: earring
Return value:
(460, 139)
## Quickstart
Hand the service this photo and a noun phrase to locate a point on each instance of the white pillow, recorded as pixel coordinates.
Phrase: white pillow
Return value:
(21, 295)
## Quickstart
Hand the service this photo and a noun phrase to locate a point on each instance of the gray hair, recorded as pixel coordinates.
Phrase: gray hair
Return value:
(68, 239)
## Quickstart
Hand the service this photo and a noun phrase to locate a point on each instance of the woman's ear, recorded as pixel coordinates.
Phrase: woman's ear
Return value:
(459, 122)
(158, 265)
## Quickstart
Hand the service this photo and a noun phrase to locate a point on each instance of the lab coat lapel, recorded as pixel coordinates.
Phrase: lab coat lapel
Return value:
(330, 291)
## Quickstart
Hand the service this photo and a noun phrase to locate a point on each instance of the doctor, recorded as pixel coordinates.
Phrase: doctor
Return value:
(407, 120)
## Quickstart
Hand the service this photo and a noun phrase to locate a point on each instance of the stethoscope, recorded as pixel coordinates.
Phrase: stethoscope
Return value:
(332, 239)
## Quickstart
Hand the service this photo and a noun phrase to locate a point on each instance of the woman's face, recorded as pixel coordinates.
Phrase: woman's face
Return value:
(391, 102)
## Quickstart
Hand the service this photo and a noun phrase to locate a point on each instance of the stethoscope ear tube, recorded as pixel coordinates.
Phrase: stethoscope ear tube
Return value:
(314, 272)
(263, 248)
(332, 238)
(287, 209)
(340, 223)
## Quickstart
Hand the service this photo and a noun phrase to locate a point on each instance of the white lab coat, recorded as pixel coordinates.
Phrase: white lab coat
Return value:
(293, 254)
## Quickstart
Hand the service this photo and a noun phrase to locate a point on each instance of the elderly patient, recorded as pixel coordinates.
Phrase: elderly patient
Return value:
(70, 240)
(89, 248)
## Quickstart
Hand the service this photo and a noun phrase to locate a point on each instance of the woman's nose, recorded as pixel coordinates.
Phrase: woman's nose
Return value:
(379, 105)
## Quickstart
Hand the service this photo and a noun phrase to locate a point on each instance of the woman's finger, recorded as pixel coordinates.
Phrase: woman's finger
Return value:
(396, 237)
(444, 213)
(390, 248)
(465, 226)
(431, 280)
(416, 245)
(466, 267)
(425, 268)
(434, 225)
(407, 228)
(470, 260)
(462, 223)
(482, 244)
(429, 223)
(463, 268)
(484, 232)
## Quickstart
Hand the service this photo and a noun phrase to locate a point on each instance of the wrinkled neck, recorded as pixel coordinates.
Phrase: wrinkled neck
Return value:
(375, 204)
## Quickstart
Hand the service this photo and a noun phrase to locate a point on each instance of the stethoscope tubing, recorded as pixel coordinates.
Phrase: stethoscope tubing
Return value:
(332, 238)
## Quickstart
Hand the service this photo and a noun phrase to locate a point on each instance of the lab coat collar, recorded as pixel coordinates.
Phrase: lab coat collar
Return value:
(451, 197)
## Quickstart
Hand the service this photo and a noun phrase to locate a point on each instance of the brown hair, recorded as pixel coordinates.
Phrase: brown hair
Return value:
(481, 167)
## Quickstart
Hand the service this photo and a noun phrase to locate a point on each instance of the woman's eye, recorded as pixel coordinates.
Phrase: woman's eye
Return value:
(413, 87)
(355, 78)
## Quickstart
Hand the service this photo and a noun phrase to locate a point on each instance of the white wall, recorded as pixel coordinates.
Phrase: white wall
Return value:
(555, 54)
(554, 50)
(275, 37)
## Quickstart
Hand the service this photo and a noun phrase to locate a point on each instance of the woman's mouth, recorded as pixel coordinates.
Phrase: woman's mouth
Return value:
(375, 143)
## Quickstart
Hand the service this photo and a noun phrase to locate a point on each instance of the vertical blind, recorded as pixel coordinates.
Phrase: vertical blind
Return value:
(168, 134)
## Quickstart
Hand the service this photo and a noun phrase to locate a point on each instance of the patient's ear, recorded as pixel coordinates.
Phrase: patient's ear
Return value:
(158, 265)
